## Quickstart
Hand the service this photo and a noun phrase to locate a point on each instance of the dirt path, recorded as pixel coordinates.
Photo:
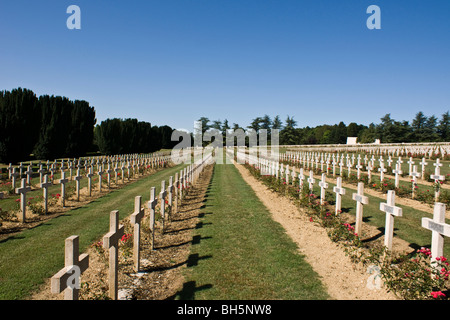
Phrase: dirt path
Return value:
(344, 279)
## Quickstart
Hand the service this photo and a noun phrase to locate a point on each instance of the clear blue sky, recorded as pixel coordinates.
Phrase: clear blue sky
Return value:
(173, 61)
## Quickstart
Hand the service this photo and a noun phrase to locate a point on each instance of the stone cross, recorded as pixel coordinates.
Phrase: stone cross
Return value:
(359, 167)
(301, 177)
(341, 164)
(382, 170)
(78, 178)
(339, 192)
(41, 172)
(361, 200)
(67, 279)
(100, 178)
(109, 171)
(23, 198)
(323, 185)
(45, 185)
(437, 177)
(410, 162)
(162, 196)
(111, 242)
(349, 168)
(397, 172)
(135, 220)
(423, 163)
(170, 199)
(311, 181)
(439, 229)
(389, 161)
(414, 174)
(63, 182)
(391, 210)
(369, 169)
(14, 176)
(29, 174)
(89, 176)
(152, 205)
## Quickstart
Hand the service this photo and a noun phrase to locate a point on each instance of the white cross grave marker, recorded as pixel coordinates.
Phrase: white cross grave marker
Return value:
(162, 196)
(23, 198)
(63, 182)
(423, 163)
(311, 181)
(391, 210)
(152, 205)
(111, 242)
(437, 177)
(45, 185)
(339, 192)
(397, 172)
(361, 200)
(135, 220)
(323, 185)
(439, 229)
(67, 279)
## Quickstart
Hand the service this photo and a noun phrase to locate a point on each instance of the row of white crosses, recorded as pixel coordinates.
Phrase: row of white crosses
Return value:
(89, 163)
(437, 225)
(67, 279)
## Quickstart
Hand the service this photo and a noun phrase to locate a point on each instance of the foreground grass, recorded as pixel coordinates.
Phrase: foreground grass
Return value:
(241, 253)
(32, 256)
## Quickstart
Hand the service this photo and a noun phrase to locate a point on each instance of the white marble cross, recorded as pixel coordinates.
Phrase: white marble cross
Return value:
(414, 174)
(311, 181)
(100, 178)
(89, 176)
(23, 198)
(439, 229)
(301, 177)
(361, 200)
(152, 205)
(162, 196)
(45, 185)
(63, 182)
(323, 185)
(397, 172)
(111, 242)
(391, 210)
(410, 162)
(78, 178)
(382, 170)
(437, 177)
(68, 278)
(339, 192)
(423, 163)
(135, 220)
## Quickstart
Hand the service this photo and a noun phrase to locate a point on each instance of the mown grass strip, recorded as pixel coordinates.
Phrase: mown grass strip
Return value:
(241, 253)
(32, 256)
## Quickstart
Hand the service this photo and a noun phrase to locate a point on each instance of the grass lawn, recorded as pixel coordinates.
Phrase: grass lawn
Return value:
(241, 253)
(34, 255)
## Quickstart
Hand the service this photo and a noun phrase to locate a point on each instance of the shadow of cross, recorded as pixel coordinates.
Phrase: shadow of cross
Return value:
(111, 242)
(68, 278)
(23, 198)
(135, 220)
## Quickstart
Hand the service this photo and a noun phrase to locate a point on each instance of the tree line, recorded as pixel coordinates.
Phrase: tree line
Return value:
(421, 129)
(52, 127)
